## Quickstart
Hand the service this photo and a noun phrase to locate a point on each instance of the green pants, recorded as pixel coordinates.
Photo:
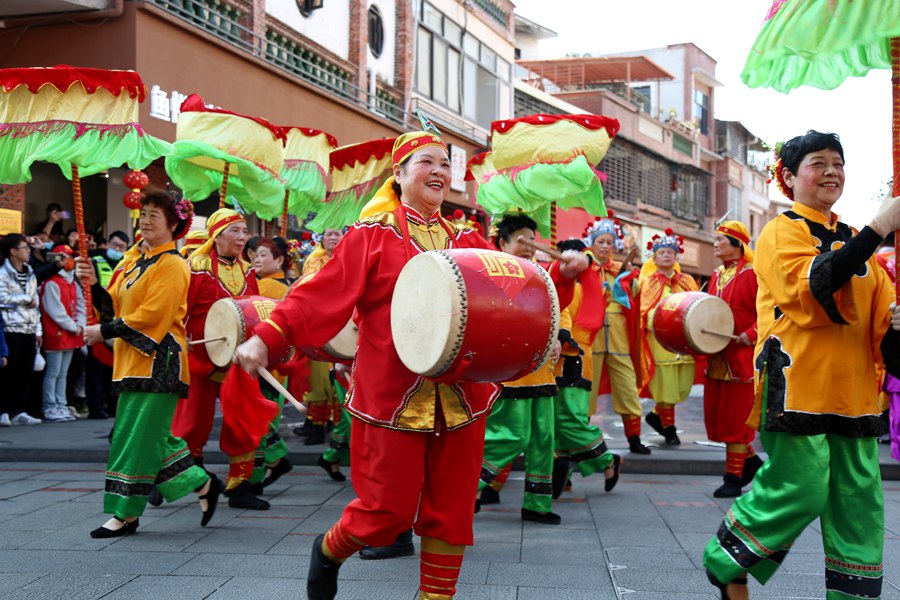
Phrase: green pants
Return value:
(339, 437)
(144, 452)
(576, 438)
(518, 425)
(271, 448)
(828, 476)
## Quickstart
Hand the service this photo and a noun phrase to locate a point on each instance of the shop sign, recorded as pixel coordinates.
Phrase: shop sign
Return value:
(164, 105)
(458, 158)
(10, 221)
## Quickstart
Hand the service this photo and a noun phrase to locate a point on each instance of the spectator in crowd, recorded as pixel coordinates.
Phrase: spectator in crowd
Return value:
(63, 322)
(52, 226)
(21, 327)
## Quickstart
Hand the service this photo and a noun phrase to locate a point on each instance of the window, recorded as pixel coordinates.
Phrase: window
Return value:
(735, 203)
(423, 62)
(376, 31)
(701, 111)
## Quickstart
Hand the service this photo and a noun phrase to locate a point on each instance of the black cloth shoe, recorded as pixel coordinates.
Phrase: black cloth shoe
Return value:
(654, 421)
(731, 488)
(547, 518)
(98, 414)
(305, 429)
(242, 497)
(610, 483)
(636, 447)
(326, 466)
(126, 529)
(402, 546)
(321, 581)
(315, 437)
(280, 468)
(723, 587)
(256, 488)
(561, 469)
(751, 466)
(154, 497)
(212, 499)
(490, 496)
(671, 436)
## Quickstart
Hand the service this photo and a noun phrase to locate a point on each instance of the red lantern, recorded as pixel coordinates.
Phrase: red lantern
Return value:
(132, 200)
(136, 180)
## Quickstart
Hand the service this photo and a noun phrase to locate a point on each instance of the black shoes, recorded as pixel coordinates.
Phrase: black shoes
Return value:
(242, 497)
(212, 499)
(723, 587)
(281, 467)
(490, 496)
(731, 488)
(671, 436)
(321, 581)
(326, 466)
(562, 467)
(402, 546)
(315, 436)
(98, 414)
(611, 482)
(636, 447)
(547, 518)
(126, 529)
(751, 466)
(154, 497)
(654, 421)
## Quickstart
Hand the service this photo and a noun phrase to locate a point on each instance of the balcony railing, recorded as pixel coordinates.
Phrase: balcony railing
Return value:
(228, 22)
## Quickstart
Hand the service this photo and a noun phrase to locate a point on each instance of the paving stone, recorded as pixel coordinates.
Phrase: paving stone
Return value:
(536, 593)
(647, 558)
(546, 575)
(241, 565)
(97, 563)
(167, 586)
(70, 586)
(659, 580)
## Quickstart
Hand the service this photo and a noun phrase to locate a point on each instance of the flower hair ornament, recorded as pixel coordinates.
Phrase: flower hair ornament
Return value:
(602, 225)
(775, 173)
(294, 252)
(669, 240)
(184, 210)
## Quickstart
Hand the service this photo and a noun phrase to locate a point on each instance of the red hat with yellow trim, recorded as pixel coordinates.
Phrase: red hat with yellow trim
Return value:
(406, 144)
(737, 231)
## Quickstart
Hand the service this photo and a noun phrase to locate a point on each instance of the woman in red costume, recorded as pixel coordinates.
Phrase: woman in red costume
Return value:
(417, 445)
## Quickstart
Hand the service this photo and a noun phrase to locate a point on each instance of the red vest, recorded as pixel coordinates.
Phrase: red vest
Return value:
(55, 337)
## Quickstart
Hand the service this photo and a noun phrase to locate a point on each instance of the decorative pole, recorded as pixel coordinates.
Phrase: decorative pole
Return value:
(82, 243)
(553, 223)
(284, 215)
(224, 185)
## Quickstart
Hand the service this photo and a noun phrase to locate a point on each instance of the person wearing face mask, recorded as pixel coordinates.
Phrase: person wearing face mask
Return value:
(620, 347)
(673, 377)
(218, 270)
(417, 444)
(63, 319)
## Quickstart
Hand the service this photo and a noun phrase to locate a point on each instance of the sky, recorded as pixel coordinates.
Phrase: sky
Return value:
(859, 110)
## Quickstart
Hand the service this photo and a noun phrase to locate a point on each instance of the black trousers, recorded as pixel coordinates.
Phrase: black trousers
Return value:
(15, 377)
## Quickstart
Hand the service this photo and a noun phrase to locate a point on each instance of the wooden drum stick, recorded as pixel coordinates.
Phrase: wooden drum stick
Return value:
(720, 334)
(281, 390)
(555, 254)
(215, 339)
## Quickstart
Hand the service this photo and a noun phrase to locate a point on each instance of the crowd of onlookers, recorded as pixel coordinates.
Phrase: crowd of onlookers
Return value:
(46, 372)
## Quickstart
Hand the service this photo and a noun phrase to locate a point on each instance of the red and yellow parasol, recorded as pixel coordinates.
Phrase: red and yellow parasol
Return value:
(305, 171)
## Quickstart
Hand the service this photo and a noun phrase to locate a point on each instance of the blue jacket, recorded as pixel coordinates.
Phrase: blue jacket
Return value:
(4, 349)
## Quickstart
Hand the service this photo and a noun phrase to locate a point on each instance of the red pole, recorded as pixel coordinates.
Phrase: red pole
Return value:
(224, 186)
(895, 89)
(82, 243)
(284, 215)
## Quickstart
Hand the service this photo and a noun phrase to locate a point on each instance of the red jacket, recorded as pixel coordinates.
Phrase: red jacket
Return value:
(59, 335)
(740, 294)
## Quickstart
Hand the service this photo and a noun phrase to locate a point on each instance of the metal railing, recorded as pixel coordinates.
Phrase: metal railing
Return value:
(228, 22)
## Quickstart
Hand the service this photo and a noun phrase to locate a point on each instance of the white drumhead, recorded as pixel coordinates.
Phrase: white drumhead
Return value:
(343, 345)
(713, 314)
(428, 318)
(224, 319)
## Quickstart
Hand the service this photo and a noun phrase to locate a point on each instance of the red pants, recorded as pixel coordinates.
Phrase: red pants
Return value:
(402, 477)
(726, 407)
(194, 416)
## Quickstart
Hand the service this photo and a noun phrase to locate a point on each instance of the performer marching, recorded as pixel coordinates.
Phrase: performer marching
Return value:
(417, 445)
(824, 317)
(661, 277)
(522, 418)
(728, 392)
(621, 346)
(149, 296)
(217, 271)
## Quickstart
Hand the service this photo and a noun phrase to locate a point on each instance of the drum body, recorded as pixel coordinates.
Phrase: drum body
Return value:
(473, 316)
(680, 319)
(341, 348)
(234, 320)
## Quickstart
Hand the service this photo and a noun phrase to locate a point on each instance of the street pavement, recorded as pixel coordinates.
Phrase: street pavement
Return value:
(643, 541)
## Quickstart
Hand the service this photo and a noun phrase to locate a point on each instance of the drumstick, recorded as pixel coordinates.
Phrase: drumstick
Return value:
(629, 258)
(195, 342)
(720, 334)
(538, 246)
(280, 389)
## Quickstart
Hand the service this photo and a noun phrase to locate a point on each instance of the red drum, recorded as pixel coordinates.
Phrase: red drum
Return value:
(230, 322)
(341, 348)
(473, 316)
(693, 323)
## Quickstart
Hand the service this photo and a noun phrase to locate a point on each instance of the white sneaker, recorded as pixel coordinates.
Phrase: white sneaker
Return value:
(73, 412)
(4, 420)
(24, 419)
(54, 415)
